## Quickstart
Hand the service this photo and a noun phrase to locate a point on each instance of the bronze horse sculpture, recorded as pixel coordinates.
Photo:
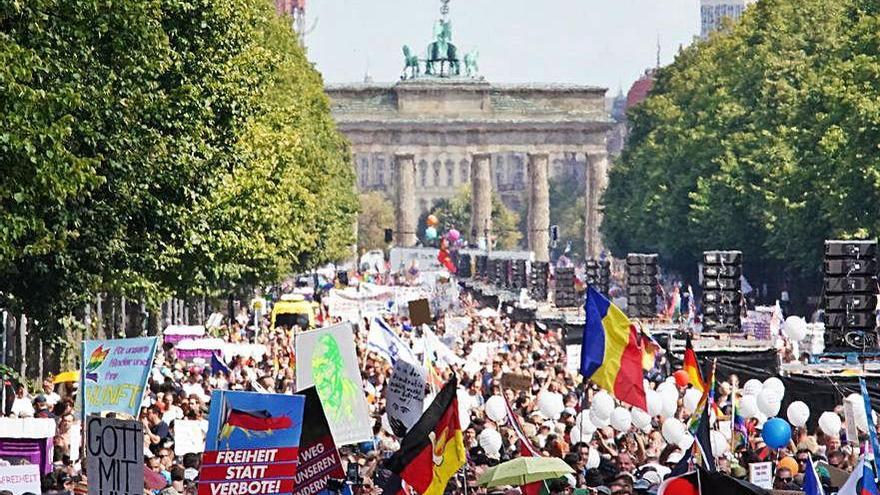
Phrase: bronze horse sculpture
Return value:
(442, 51)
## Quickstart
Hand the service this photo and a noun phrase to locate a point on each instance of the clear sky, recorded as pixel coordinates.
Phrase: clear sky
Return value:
(598, 42)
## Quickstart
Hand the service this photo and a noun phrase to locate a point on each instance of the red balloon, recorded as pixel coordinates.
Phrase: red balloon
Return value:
(681, 486)
(681, 378)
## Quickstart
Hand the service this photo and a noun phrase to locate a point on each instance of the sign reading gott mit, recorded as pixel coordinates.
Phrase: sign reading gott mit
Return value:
(115, 458)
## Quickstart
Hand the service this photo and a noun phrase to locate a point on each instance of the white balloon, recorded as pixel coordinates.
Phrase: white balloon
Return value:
(692, 399)
(655, 402)
(551, 404)
(720, 446)
(686, 441)
(584, 422)
(830, 423)
(490, 440)
(640, 419)
(769, 402)
(602, 405)
(577, 435)
(668, 388)
(673, 430)
(593, 459)
(798, 413)
(599, 422)
(752, 387)
(670, 406)
(748, 406)
(621, 419)
(496, 409)
(776, 385)
(795, 328)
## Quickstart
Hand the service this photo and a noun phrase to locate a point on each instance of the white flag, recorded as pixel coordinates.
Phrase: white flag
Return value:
(384, 342)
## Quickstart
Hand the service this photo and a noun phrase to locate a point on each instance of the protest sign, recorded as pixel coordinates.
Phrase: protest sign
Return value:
(516, 381)
(319, 460)
(189, 438)
(114, 374)
(252, 444)
(420, 312)
(761, 474)
(326, 359)
(406, 396)
(20, 479)
(115, 456)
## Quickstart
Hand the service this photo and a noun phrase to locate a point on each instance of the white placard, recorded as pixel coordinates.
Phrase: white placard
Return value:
(189, 437)
(326, 359)
(20, 479)
(406, 396)
(761, 474)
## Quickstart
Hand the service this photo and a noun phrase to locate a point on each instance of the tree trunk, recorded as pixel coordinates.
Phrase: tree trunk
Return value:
(99, 334)
(22, 339)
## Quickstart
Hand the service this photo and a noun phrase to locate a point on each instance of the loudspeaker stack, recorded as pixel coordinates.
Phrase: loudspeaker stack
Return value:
(722, 291)
(538, 277)
(850, 297)
(565, 294)
(519, 277)
(599, 274)
(481, 267)
(642, 272)
(464, 266)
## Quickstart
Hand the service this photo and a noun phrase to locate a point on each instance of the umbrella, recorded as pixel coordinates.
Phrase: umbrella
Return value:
(524, 470)
(67, 376)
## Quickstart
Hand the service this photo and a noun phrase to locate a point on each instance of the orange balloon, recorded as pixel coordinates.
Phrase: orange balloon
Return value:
(432, 221)
(681, 378)
(788, 463)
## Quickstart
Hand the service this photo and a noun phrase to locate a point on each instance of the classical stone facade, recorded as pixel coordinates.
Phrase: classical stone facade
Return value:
(433, 132)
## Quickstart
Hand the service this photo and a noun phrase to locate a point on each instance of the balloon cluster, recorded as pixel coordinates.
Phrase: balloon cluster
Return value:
(452, 237)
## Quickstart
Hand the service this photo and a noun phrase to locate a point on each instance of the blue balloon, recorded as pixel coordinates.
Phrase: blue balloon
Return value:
(776, 433)
(430, 233)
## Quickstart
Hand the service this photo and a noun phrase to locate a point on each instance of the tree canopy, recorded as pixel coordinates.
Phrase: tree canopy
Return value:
(763, 138)
(161, 147)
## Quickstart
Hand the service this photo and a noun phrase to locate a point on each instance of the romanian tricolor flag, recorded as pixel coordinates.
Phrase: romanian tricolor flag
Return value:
(611, 352)
(433, 449)
(692, 366)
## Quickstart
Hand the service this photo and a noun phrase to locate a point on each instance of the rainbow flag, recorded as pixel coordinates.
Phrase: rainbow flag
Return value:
(611, 352)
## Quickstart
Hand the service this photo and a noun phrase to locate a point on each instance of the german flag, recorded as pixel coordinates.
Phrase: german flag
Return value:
(692, 366)
(257, 421)
(433, 450)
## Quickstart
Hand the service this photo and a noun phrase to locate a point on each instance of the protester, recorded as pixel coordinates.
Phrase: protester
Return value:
(482, 347)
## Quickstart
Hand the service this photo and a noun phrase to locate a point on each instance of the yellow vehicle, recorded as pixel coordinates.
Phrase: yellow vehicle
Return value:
(293, 309)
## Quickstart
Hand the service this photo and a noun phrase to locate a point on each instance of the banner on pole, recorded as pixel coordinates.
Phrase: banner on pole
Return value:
(319, 461)
(406, 396)
(115, 459)
(252, 446)
(326, 359)
(114, 374)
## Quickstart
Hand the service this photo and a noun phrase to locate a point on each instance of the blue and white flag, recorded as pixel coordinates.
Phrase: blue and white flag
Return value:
(384, 342)
(812, 485)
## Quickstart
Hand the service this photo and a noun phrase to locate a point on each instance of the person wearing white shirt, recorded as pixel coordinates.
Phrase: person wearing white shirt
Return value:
(22, 405)
(49, 393)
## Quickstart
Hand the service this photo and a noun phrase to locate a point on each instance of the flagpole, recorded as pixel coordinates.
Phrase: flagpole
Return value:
(733, 421)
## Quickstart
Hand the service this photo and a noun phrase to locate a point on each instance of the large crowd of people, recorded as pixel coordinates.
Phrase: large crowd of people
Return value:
(487, 346)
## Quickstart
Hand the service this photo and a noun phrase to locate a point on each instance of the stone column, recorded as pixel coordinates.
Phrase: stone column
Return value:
(539, 206)
(597, 181)
(481, 196)
(405, 213)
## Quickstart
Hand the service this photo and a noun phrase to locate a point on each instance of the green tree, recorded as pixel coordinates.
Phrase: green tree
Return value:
(567, 207)
(158, 147)
(762, 138)
(456, 213)
(376, 214)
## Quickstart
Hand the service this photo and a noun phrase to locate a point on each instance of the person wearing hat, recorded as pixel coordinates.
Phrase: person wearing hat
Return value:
(41, 408)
